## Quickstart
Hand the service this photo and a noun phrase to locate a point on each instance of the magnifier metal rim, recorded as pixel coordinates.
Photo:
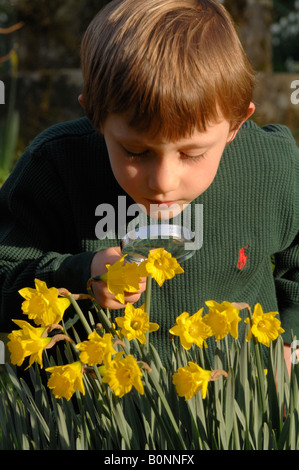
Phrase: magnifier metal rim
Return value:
(156, 232)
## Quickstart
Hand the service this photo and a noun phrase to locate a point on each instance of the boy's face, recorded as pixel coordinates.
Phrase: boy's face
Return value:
(158, 174)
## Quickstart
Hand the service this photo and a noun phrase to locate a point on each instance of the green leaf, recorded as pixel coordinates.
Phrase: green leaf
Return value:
(229, 404)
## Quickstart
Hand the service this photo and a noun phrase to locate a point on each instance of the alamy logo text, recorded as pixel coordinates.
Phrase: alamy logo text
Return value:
(2, 353)
(295, 94)
(2, 92)
(113, 226)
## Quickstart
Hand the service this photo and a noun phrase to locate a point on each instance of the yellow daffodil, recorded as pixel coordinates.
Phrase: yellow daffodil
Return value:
(160, 265)
(265, 327)
(65, 380)
(121, 278)
(28, 341)
(135, 323)
(43, 305)
(191, 330)
(96, 349)
(223, 319)
(123, 374)
(191, 379)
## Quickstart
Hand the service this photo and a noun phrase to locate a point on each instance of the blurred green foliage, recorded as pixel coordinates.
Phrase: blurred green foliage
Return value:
(9, 123)
(9, 117)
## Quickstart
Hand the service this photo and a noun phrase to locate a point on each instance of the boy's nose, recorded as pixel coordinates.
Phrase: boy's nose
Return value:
(163, 177)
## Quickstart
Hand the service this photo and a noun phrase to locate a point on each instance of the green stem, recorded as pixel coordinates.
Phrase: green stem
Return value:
(148, 292)
(107, 325)
(228, 365)
(260, 370)
(80, 314)
(153, 377)
(147, 307)
(261, 375)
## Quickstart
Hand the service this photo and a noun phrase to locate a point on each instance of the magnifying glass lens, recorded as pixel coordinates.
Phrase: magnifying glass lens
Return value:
(173, 238)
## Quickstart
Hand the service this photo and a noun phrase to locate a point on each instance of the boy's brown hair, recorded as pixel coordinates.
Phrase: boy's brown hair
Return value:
(173, 64)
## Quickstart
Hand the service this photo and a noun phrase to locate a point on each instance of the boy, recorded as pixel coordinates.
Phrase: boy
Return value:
(167, 94)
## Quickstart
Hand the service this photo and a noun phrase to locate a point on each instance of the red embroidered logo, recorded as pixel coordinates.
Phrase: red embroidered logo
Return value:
(242, 258)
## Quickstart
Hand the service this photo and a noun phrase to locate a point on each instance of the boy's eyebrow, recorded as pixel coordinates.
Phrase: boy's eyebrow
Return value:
(187, 146)
(197, 145)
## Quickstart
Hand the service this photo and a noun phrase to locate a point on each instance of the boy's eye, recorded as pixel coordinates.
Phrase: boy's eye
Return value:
(135, 154)
(145, 152)
(193, 157)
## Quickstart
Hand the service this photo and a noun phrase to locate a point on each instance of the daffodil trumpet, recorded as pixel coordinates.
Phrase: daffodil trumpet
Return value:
(43, 305)
(135, 323)
(65, 380)
(30, 342)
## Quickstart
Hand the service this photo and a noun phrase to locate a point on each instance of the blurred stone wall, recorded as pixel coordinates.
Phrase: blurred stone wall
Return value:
(49, 62)
(273, 91)
(273, 99)
(49, 78)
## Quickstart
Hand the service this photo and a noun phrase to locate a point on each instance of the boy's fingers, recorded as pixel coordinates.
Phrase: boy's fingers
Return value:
(142, 285)
(108, 300)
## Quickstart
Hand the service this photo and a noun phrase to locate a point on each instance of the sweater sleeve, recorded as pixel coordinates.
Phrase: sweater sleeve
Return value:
(36, 235)
(287, 288)
(286, 272)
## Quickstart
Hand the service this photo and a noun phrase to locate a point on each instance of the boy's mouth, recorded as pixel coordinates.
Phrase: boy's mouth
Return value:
(162, 203)
(158, 209)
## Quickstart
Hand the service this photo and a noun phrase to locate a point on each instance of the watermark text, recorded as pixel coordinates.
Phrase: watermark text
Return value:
(2, 92)
(113, 226)
(294, 349)
(295, 94)
(2, 353)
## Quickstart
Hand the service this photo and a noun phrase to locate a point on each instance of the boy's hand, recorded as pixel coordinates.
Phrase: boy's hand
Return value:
(100, 290)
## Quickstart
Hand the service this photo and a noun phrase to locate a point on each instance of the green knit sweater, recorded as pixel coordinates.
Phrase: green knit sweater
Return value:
(250, 213)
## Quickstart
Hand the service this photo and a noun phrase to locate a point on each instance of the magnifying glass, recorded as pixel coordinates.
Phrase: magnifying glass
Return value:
(173, 238)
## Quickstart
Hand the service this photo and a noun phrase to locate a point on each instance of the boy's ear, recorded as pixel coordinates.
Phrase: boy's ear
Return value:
(80, 99)
(250, 112)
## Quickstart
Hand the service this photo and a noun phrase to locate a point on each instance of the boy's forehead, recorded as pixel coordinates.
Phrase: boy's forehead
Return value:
(119, 126)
